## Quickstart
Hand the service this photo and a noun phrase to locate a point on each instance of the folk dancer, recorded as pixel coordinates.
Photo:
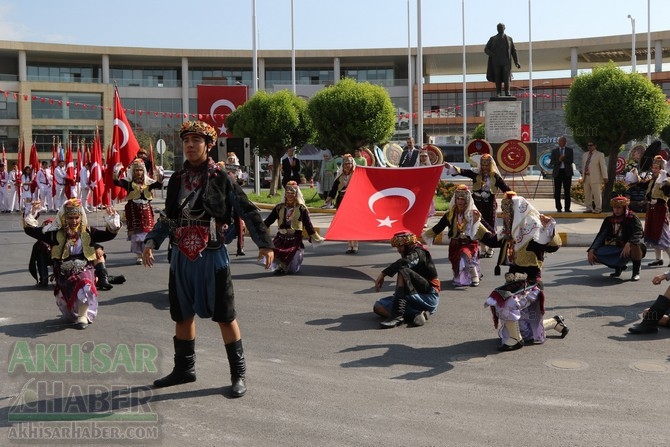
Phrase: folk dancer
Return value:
(524, 239)
(417, 289)
(198, 208)
(656, 223)
(486, 181)
(619, 240)
(292, 217)
(138, 210)
(465, 231)
(72, 243)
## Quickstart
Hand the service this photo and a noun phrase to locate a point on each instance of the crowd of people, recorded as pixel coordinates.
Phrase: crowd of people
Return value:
(206, 208)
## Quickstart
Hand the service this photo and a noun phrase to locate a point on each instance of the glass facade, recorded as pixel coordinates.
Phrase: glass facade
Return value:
(129, 76)
(310, 77)
(199, 76)
(63, 105)
(8, 107)
(45, 72)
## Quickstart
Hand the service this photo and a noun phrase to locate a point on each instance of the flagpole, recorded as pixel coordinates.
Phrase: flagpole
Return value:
(530, 74)
(409, 74)
(254, 50)
(464, 112)
(419, 76)
(292, 49)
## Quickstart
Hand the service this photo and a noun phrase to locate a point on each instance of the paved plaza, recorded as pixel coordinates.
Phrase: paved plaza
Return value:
(320, 372)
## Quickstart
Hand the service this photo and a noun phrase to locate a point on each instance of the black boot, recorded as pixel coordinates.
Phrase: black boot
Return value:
(184, 364)
(116, 279)
(101, 274)
(649, 324)
(398, 314)
(238, 368)
(636, 271)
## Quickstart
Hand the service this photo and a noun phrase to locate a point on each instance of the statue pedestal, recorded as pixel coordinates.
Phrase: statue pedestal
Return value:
(503, 119)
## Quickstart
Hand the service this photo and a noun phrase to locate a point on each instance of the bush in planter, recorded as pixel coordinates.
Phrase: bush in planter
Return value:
(577, 190)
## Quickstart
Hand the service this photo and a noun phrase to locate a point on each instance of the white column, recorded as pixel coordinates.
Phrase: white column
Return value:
(105, 68)
(184, 85)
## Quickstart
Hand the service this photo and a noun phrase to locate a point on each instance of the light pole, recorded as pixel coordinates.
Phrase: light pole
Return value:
(632, 56)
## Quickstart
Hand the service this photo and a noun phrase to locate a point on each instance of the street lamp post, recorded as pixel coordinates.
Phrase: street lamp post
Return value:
(632, 56)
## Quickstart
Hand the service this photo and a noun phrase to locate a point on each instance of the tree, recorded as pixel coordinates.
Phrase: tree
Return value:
(479, 132)
(273, 122)
(612, 107)
(349, 115)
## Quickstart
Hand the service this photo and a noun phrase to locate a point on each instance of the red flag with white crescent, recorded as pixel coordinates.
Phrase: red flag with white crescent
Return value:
(95, 179)
(123, 138)
(54, 165)
(35, 164)
(381, 202)
(69, 171)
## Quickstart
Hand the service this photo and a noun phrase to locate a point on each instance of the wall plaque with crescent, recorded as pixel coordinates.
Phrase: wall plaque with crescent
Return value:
(392, 152)
(513, 156)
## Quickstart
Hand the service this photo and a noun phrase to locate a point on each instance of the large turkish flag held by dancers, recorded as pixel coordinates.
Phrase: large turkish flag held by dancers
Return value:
(380, 202)
(216, 102)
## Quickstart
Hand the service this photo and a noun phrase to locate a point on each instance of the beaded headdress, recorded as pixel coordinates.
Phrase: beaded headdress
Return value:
(620, 201)
(462, 192)
(658, 160)
(403, 238)
(199, 128)
(72, 208)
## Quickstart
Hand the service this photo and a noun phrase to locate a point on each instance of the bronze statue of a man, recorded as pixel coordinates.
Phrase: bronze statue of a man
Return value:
(501, 51)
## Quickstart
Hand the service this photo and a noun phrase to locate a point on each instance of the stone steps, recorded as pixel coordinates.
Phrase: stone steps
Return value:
(527, 186)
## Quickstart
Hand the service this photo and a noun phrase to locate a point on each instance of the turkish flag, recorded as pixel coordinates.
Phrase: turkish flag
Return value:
(525, 132)
(123, 138)
(381, 202)
(95, 179)
(216, 102)
(54, 165)
(34, 159)
(69, 172)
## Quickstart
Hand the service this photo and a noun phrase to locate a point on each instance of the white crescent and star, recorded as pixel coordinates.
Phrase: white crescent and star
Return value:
(390, 192)
(124, 131)
(221, 103)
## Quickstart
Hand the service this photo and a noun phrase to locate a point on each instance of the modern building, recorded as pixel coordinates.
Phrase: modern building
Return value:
(63, 92)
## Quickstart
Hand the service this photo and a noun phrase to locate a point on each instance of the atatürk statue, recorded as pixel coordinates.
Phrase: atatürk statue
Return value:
(501, 51)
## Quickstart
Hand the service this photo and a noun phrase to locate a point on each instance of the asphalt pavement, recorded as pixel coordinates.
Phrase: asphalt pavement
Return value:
(320, 372)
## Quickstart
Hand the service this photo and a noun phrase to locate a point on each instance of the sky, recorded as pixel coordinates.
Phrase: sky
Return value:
(319, 24)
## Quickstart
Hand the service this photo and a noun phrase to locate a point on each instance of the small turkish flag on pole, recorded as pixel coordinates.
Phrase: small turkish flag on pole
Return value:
(380, 202)
(96, 181)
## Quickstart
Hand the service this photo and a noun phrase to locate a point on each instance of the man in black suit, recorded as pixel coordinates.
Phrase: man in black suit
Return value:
(562, 158)
(290, 168)
(410, 155)
(501, 51)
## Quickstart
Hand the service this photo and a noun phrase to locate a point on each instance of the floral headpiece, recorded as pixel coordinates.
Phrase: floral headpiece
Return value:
(620, 201)
(462, 191)
(403, 238)
(199, 128)
(72, 207)
(486, 159)
(291, 186)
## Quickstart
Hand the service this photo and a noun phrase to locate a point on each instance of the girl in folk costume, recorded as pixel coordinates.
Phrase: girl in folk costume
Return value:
(339, 189)
(72, 244)
(465, 231)
(138, 210)
(519, 304)
(15, 188)
(27, 186)
(292, 216)
(486, 181)
(656, 224)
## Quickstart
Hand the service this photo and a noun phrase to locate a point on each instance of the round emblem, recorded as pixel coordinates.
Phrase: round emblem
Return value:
(513, 156)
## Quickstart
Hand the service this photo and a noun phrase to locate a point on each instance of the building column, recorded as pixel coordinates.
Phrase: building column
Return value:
(23, 66)
(105, 69)
(658, 56)
(261, 74)
(185, 81)
(574, 59)
(336, 70)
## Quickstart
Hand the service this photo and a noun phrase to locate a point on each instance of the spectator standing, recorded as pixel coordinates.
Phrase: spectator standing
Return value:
(290, 168)
(594, 172)
(562, 158)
